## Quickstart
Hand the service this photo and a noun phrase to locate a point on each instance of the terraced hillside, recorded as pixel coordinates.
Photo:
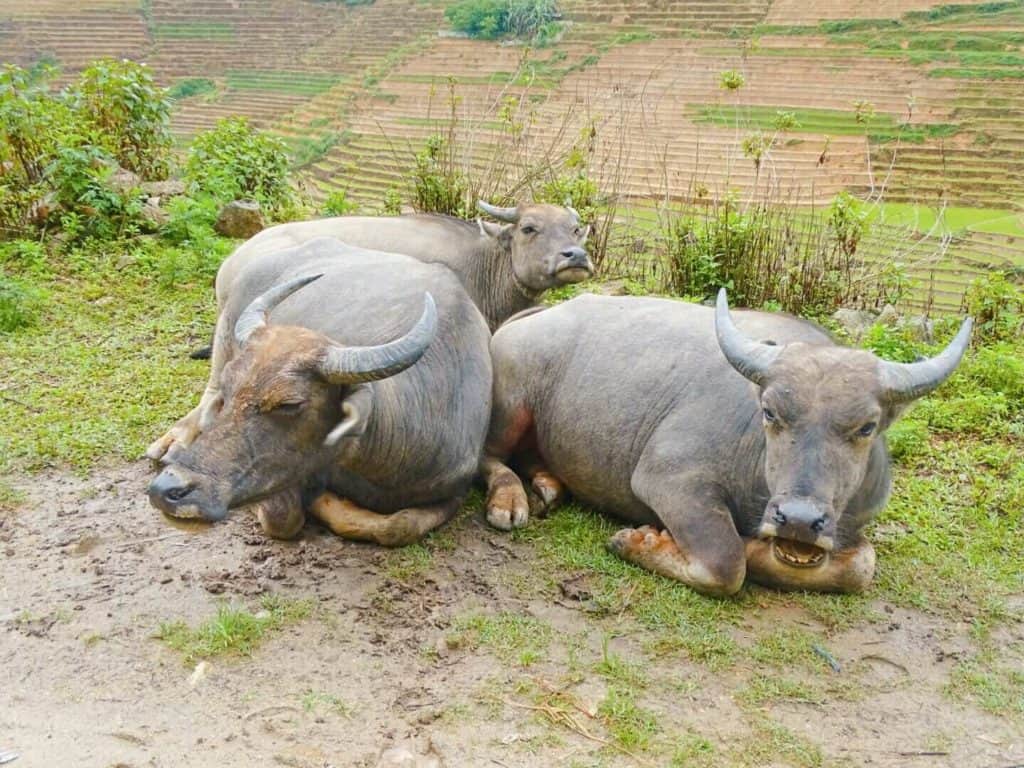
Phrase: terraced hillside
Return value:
(911, 102)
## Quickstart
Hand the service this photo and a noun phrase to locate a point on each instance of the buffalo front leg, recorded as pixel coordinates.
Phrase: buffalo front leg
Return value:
(507, 504)
(281, 515)
(190, 426)
(846, 570)
(698, 544)
(406, 526)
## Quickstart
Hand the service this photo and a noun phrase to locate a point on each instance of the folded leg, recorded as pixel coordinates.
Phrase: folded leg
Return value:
(406, 526)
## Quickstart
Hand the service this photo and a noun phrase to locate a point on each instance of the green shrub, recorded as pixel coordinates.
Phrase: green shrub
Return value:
(392, 204)
(192, 86)
(338, 204)
(438, 186)
(491, 19)
(129, 114)
(998, 369)
(233, 160)
(890, 343)
(80, 178)
(19, 304)
(997, 306)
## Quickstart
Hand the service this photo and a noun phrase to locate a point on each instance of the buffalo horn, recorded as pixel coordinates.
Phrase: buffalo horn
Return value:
(751, 358)
(255, 315)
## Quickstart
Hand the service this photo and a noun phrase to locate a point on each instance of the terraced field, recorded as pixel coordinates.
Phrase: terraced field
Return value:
(913, 102)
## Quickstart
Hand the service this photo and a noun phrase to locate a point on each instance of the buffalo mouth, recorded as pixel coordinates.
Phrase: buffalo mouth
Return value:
(797, 554)
(574, 271)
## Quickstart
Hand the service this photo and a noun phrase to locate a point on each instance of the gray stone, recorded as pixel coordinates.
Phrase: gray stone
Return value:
(241, 219)
(919, 327)
(889, 316)
(163, 189)
(122, 180)
(153, 216)
(854, 321)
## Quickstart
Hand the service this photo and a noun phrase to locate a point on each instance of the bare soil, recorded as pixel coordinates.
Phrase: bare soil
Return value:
(89, 571)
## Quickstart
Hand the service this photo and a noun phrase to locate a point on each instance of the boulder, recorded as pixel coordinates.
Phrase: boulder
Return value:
(122, 180)
(152, 216)
(163, 189)
(241, 219)
(919, 327)
(889, 316)
(854, 321)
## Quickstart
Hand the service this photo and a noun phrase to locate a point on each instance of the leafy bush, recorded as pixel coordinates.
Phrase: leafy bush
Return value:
(80, 179)
(233, 160)
(128, 113)
(438, 186)
(997, 306)
(491, 19)
(338, 204)
(19, 304)
(191, 86)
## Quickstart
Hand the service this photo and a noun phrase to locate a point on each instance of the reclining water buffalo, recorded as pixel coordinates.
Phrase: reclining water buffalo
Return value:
(732, 456)
(504, 269)
(327, 400)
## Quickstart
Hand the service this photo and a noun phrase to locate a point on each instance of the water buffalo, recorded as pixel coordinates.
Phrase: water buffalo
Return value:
(504, 269)
(733, 456)
(327, 400)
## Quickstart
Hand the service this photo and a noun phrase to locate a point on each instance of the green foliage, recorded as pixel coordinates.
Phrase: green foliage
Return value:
(776, 255)
(19, 304)
(233, 160)
(392, 203)
(438, 186)
(511, 637)
(731, 80)
(282, 81)
(629, 725)
(128, 112)
(907, 439)
(233, 631)
(80, 178)
(310, 149)
(191, 86)
(491, 19)
(997, 306)
(194, 251)
(338, 204)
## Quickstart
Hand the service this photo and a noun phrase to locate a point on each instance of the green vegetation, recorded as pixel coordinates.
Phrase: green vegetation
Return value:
(923, 218)
(836, 122)
(232, 631)
(191, 86)
(630, 725)
(492, 19)
(282, 81)
(234, 160)
(194, 30)
(512, 638)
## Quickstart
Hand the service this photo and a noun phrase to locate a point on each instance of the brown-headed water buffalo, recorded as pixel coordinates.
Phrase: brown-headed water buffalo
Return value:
(755, 450)
(362, 394)
(504, 268)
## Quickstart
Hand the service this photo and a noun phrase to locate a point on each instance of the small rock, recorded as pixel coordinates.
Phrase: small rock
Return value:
(854, 321)
(241, 219)
(153, 217)
(199, 673)
(888, 316)
(403, 757)
(167, 188)
(919, 327)
(123, 180)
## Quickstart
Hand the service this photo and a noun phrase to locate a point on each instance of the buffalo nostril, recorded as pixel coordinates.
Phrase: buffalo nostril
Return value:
(179, 493)
(818, 525)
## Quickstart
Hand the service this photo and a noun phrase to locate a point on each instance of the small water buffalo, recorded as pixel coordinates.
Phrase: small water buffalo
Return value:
(334, 404)
(732, 456)
(504, 269)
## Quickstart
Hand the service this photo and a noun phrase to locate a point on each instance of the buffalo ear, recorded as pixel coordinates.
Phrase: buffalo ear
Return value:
(585, 235)
(356, 408)
(490, 229)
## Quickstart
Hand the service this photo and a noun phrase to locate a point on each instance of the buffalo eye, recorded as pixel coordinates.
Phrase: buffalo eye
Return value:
(578, 231)
(288, 408)
(528, 230)
(867, 430)
(769, 415)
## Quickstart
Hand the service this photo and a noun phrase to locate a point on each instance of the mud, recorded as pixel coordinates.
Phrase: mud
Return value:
(88, 572)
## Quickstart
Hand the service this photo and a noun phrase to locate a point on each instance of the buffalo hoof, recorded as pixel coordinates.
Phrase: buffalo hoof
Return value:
(658, 551)
(181, 435)
(550, 490)
(507, 505)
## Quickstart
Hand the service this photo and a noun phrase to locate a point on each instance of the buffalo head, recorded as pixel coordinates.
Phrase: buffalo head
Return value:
(287, 398)
(824, 409)
(546, 242)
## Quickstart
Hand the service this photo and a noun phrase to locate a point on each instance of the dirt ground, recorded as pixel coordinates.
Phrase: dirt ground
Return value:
(89, 571)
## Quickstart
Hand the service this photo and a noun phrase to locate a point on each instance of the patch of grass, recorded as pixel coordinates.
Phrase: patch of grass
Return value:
(693, 751)
(629, 725)
(20, 303)
(193, 30)
(108, 370)
(233, 630)
(283, 81)
(994, 686)
(618, 670)
(771, 743)
(10, 497)
(789, 647)
(408, 562)
(511, 637)
(766, 689)
(316, 701)
(191, 86)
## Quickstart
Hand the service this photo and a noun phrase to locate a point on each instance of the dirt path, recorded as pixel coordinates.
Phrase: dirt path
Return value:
(88, 572)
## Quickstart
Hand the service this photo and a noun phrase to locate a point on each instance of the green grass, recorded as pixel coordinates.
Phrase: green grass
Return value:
(191, 86)
(10, 497)
(630, 725)
(951, 219)
(878, 127)
(282, 81)
(233, 630)
(994, 685)
(513, 638)
(194, 30)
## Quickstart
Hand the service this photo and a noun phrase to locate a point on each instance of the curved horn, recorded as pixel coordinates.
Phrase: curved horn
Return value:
(749, 357)
(908, 381)
(351, 365)
(573, 211)
(255, 315)
(510, 215)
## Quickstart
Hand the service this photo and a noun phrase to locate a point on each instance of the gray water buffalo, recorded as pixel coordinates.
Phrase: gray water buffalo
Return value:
(756, 450)
(504, 268)
(333, 396)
